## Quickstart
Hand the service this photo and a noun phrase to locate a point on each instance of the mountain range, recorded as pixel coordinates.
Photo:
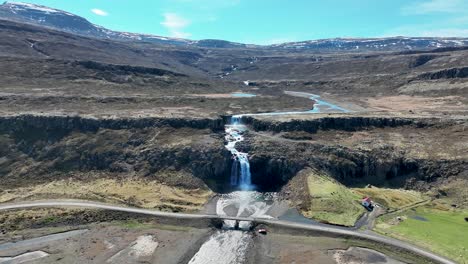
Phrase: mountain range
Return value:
(71, 23)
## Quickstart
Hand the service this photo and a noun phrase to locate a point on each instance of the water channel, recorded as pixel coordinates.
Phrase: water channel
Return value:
(229, 245)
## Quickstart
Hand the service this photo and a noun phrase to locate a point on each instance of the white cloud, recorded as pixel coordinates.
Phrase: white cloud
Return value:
(174, 21)
(434, 6)
(451, 22)
(176, 24)
(99, 12)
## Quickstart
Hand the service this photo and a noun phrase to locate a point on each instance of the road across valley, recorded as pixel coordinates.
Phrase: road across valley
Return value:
(272, 222)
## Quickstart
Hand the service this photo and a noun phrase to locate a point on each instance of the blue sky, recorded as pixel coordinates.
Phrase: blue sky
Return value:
(274, 21)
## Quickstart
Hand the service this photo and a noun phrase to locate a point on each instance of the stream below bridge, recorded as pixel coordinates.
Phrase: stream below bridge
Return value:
(230, 244)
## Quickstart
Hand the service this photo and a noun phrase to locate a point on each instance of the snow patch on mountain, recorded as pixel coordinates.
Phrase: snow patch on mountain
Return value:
(21, 6)
(64, 21)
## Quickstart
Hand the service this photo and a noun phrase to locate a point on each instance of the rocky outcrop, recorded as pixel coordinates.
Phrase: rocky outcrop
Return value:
(64, 124)
(274, 165)
(421, 60)
(345, 123)
(446, 74)
(123, 69)
(190, 152)
(280, 149)
(40, 149)
(270, 173)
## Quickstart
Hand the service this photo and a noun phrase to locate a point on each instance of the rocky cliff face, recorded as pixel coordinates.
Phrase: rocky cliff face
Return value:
(446, 74)
(421, 60)
(190, 153)
(51, 124)
(345, 123)
(379, 159)
(273, 165)
(37, 149)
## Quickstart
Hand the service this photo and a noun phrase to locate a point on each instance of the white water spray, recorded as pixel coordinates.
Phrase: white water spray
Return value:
(240, 170)
(229, 245)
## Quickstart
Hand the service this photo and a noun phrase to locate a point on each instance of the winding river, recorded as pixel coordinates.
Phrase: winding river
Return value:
(230, 244)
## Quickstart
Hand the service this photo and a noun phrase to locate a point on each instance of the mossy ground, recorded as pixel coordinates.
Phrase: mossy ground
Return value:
(433, 226)
(134, 192)
(392, 199)
(332, 202)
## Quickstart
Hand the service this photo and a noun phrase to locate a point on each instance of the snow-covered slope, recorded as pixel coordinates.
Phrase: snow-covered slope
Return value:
(375, 44)
(16, 7)
(65, 21)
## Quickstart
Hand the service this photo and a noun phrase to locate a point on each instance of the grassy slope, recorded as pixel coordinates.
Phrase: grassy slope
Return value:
(135, 192)
(332, 202)
(392, 199)
(445, 231)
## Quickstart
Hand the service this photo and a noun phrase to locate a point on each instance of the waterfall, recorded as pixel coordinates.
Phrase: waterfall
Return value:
(245, 182)
(240, 170)
(229, 245)
(236, 120)
(234, 173)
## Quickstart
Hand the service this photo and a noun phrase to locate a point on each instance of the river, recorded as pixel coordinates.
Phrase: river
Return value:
(230, 244)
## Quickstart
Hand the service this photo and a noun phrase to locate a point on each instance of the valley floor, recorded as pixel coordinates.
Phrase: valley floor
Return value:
(135, 239)
(315, 162)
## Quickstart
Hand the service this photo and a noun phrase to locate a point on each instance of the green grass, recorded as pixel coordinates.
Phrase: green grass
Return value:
(134, 224)
(49, 220)
(392, 199)
(332, 202)
(444, 232)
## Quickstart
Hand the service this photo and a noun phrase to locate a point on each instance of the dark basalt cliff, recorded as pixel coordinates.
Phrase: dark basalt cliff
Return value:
(446, 74)
(351, 123)
(42, 124)
(273, 166)
(274, 162)
(124, 69)
(39, 149)
(190, 152)
(421, 60)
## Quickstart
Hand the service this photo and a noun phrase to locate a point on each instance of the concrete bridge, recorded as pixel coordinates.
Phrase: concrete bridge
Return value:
(103, 206)
(217, 220)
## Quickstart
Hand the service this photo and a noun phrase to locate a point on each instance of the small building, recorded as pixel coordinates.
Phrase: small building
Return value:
(367, 203)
